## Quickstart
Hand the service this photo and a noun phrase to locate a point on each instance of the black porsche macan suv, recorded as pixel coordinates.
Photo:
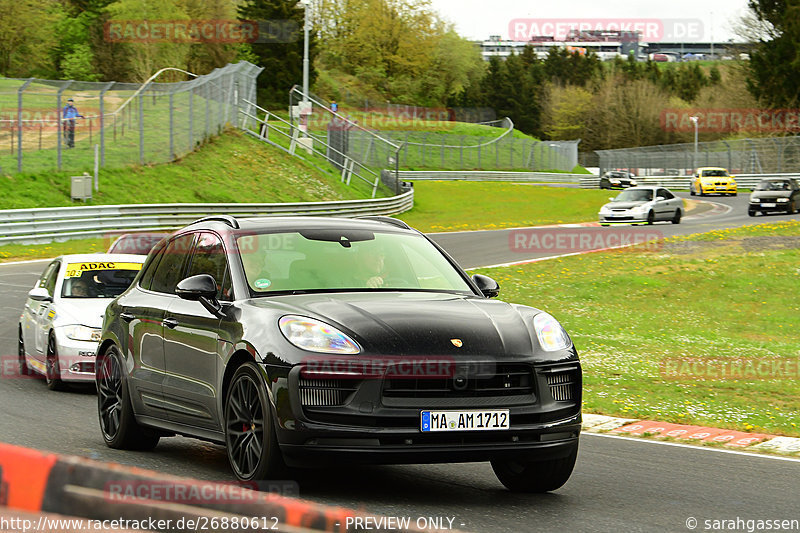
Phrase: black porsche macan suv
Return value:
(313, 341)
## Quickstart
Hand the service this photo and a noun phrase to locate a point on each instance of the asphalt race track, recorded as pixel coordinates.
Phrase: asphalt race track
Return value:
(618, 485)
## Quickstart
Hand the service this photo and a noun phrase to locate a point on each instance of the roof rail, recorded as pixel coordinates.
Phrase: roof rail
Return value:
(387, 220)
(227, 219)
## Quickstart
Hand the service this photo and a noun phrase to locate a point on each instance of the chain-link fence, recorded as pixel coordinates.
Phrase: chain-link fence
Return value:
(739, 156)
(128, 123)
(448, 151)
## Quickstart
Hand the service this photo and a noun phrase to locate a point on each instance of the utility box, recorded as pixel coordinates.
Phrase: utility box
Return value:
(81, 187)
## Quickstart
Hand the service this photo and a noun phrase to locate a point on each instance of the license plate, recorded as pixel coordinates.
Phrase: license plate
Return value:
(472, 420)
(721, 188)
(768, 205)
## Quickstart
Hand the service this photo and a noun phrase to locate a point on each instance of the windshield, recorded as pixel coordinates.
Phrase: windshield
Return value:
(774, 185)
(714, 173)
(98, 280)
(634, 195)
(332, 259)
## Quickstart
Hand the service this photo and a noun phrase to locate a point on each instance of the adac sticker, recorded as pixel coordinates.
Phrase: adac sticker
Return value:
(262, 283)
(75, 270)
(51, 315)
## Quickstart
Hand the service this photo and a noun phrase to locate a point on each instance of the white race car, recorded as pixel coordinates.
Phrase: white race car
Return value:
(59, 328)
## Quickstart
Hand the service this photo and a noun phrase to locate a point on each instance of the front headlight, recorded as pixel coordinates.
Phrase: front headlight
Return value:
(605, 210)
(755, 201)
(639, 209)
(633, 183)
(82, 333)
(551, 335)
(783, 199)
(315, 336)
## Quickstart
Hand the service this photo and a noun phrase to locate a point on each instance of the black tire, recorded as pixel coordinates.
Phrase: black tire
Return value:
(535, 476)
(24, 370)
(691, 190)
(52, 368)
(651, 217)
(677, 218)
(735, 194)
(751, 212)
(117, 421)
(250, 439)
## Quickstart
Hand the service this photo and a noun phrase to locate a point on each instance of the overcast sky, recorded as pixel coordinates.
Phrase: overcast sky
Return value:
(478, 19)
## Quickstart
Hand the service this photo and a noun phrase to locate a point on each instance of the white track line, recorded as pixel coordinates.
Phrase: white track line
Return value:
(705, 448)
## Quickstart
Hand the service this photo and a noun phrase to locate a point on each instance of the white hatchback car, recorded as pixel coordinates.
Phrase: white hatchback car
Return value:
(59, 328)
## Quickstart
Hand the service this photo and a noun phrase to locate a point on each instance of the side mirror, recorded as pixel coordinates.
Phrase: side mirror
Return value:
(201, 288)
(610, 198)
(660, 198)
(487, 285)
(40, 294)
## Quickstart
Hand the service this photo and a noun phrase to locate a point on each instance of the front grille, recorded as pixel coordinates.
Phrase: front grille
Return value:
(505, 380)
(563, 385)
(326, 392)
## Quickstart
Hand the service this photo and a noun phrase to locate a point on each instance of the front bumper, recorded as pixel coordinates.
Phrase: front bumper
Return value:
(76, 359)
(624, 218)
(372, 426)
(770, 205)
(718, 189)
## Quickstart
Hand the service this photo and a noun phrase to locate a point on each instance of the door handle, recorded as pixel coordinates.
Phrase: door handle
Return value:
(169, 322)
(127, 317)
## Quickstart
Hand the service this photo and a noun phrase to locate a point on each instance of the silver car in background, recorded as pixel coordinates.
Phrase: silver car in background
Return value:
(59, 328)
(642, 205)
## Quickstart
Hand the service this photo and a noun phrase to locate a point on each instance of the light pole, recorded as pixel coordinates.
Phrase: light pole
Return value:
(306, 7)
(694, 121)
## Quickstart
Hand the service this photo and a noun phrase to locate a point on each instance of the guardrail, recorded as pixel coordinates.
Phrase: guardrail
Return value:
(744, 181)
(491, 175)
(31, 226)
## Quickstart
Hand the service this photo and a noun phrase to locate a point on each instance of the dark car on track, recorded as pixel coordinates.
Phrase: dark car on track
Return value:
(317, 341)
(135, 243)
(775, 195)
(617, 179)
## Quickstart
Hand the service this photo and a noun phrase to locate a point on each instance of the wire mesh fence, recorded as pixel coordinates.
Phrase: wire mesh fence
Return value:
(740, 156)
(129, 123)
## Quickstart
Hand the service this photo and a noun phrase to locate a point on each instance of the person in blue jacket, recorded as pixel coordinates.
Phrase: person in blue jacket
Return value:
(68, 115)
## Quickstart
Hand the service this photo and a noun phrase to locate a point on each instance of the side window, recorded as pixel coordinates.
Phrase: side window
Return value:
(49, 276)
(150, 268)
(665, 193)
(170, 269)
(209, 258)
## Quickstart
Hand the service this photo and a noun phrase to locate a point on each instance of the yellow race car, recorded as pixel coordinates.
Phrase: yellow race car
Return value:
(712, 180)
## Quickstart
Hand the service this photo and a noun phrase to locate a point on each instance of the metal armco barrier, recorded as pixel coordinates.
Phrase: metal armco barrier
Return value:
(40, 482)
(491, 175)
(46, 224)
(744, 181)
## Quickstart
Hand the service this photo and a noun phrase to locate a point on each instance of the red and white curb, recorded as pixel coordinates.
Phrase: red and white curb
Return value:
(593, 423)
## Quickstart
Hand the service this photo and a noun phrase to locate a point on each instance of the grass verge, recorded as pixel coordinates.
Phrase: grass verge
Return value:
(466, 205)
(230, 168)
(715, 299)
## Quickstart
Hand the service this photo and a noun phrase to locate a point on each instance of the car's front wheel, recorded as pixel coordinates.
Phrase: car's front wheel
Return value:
(677, 218)
(52, 373)
(752, 212)
(250, 438)
(117, 422)
(534, 476)
(651, 217)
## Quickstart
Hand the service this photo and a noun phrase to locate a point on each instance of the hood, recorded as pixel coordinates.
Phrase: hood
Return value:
(771, 194)
(625, 205)
(714, 179)
(392, 323)
(85, 311)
